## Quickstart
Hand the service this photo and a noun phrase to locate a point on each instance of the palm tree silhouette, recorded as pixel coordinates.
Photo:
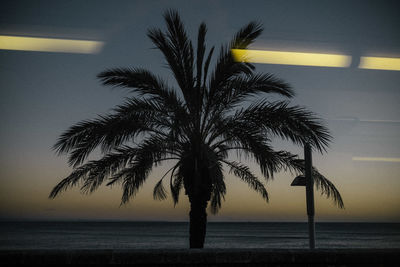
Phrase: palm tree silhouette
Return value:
(196, 127)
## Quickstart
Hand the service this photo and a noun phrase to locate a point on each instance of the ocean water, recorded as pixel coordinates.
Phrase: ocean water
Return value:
(141, 235)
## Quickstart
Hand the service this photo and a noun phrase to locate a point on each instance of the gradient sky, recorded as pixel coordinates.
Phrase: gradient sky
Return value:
(42, 94)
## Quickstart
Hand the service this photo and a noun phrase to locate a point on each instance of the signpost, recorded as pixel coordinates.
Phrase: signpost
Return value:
(308, 181)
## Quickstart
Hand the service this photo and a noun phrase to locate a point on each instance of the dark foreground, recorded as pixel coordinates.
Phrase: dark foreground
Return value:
(205, 257)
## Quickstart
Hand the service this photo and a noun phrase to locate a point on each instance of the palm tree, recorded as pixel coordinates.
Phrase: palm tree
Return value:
(195, 126)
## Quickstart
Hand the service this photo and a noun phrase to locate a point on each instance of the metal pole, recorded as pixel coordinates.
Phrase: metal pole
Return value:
(309, 194)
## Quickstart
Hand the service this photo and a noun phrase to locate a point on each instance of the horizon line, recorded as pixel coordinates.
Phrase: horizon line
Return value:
(178, 221)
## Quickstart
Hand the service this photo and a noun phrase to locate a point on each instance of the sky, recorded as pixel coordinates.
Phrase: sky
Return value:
(44, 93)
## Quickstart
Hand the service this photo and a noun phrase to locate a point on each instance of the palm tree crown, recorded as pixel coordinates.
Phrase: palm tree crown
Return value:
(195, 125)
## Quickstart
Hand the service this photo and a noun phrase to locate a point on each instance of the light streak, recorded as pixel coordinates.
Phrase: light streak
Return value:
(40, 44)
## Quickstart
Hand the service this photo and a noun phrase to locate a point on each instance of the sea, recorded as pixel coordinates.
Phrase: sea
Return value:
(175, 235)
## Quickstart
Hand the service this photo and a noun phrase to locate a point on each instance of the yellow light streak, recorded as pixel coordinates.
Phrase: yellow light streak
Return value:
(49, 45)
(381, 159)
(291, 58)
(380, 63)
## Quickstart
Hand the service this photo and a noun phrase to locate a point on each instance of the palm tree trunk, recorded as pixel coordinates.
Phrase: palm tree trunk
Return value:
(198, 222)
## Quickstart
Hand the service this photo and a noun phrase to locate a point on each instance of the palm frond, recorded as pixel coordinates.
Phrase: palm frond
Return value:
(207, 65)
(108, 131)
(144, 83)
(141, 81)
(93, 173)
(70, 181)
(130, 119)
(240, 88)
(178, 52)
(133, 178)
(244, 173)
(159, 192)
(254, 84)
(249, 140)
(182, 46)
(327, 188)
(201, 48)
(322, 183)
(218, 190)
(226, 67)
(292, 123)
(246, 35)
(148, 153)
(176, 183)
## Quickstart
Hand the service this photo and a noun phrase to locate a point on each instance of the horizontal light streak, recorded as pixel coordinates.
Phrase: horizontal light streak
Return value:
(380, 121)
(367, 121)
(379, 159)
(380, 63)
(49, 45)
(291, 58)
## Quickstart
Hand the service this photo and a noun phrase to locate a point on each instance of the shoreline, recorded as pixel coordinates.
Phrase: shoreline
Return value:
(204, 257)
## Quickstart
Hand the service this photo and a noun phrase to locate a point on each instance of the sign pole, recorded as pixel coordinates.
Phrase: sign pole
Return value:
(309, 194)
